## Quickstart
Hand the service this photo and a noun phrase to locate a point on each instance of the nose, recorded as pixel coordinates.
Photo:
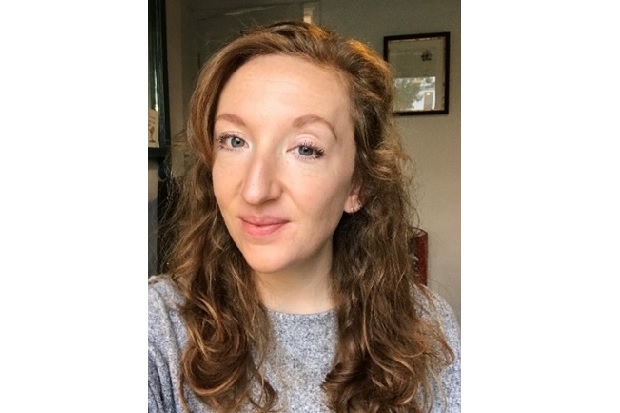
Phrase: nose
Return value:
(262, 179)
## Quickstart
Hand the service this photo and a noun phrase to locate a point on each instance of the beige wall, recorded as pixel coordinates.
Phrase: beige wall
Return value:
(434, 141)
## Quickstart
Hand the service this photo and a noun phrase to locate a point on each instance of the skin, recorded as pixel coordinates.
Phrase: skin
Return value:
(283, 175)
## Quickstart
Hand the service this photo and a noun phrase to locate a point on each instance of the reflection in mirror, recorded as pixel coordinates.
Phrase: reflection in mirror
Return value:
(157, 87)
(414, 93)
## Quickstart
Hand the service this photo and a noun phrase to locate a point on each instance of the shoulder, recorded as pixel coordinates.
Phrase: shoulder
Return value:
(162, 290)
(436, 309)
(165, 321)
(167, 338)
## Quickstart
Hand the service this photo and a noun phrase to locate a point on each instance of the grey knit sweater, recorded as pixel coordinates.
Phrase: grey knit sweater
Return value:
(297, 365)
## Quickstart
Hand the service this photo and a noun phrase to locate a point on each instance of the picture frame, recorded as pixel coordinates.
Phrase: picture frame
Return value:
(421, 65)
(159, 140)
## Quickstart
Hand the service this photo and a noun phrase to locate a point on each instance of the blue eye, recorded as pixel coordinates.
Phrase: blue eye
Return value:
(308, 150)
(231, 141)
(305, 151)
(236, 142)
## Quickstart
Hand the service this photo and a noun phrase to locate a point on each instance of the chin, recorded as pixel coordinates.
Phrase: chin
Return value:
(262, 258)
(263, 267)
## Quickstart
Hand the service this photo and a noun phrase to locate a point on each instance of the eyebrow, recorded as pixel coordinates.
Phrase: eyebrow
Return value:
(311, 118)
(231, 118)
(298, 122)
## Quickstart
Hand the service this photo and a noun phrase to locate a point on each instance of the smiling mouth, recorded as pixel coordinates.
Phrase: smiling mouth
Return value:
(259, 227)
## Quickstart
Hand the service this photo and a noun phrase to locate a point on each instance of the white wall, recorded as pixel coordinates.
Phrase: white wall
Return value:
(433, 141)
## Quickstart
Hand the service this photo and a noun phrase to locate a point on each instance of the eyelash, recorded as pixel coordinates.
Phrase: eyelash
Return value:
(318, 151)
(223, 138)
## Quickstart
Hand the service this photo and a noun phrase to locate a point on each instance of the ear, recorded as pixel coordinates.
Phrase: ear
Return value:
(353, 202)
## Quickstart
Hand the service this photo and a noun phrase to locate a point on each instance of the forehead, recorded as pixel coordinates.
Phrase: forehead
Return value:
(281, 65)
(292, 81)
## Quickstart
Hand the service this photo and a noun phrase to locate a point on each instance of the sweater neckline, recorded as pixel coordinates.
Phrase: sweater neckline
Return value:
(281, 316)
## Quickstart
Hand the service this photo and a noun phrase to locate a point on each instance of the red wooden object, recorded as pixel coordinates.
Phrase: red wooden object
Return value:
(419, 246)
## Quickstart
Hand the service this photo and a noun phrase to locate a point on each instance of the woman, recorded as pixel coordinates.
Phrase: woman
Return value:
(291, 286)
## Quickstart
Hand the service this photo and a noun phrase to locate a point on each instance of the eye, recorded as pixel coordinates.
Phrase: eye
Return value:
(231, 141)
(307, 150)
(236, 142)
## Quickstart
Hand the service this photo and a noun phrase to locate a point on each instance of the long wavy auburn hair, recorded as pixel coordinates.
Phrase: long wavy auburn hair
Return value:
(387, 355)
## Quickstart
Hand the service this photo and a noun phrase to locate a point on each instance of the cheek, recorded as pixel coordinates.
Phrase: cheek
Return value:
(220, 182)
(320, 199)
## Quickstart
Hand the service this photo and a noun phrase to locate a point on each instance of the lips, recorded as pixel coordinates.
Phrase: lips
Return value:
(263, 226)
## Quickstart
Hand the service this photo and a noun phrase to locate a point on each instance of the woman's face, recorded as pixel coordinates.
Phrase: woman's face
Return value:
(284, 159)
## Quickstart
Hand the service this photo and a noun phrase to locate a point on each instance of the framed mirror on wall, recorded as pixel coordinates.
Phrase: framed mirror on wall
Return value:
(159, 128)
(421, 64)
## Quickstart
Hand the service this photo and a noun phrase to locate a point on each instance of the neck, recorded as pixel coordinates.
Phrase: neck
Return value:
(295, 293)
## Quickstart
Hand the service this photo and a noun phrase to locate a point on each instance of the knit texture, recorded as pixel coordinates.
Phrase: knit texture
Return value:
(297, 364)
